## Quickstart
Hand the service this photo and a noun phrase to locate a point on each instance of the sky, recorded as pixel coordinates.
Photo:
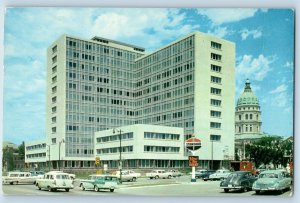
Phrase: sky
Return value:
(264, 40)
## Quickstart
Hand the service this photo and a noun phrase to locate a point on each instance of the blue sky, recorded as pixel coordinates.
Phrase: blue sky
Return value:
(264, 53)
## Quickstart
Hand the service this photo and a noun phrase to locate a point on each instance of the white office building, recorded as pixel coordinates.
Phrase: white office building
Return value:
(101, 84)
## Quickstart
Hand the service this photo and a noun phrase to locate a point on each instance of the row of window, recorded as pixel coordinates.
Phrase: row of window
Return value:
(115, 150)
(161, 136)
(248, 116)
(161, 149)
(112, 138)
(34, 147)
(37, 155)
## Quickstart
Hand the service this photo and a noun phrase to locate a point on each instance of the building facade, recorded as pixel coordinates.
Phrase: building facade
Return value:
(100, 84)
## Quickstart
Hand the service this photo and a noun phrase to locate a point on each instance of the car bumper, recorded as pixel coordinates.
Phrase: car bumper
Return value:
(231, 187)
(265, 189)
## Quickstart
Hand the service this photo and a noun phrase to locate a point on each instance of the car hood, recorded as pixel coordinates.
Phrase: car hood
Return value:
(266, 180)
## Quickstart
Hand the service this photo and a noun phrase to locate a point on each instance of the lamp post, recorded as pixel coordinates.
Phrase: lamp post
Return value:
(49, 156)
(62, 141)
(120, 150)
(212, 154)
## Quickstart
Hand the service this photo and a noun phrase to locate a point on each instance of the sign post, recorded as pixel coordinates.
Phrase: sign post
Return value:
(193, 144)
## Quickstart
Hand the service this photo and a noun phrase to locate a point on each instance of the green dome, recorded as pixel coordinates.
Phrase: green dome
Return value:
(248, 97)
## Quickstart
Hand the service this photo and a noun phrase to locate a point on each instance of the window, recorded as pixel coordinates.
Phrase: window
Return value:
(53, 119)
(215, 79)
(246, 116)
(53, 99)
(53, 109)
(54, 79)
(215, 125)
(215, 137)
(250, 116)
(54, 59)
(215, 102)
(54, 49)
(54, 89)
(54, 69)
(216, 57)
(53, 130)
(53, 140)
(240, 117)
(215, 45)
(215, 91)
(215, 114)
(215, 68)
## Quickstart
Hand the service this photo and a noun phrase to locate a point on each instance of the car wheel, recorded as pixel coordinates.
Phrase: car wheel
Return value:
(257, 192)
(97, 189)
(226, 190)
(133, 179)
(151, 177)
(67, 189)
(111, 190)
(169, 176)
(156, 177)
(49, 189)
(82, 187)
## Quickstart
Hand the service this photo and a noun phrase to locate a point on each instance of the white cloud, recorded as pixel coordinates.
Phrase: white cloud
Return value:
(254, 68)
(279, 89)
(220, 32)
(289, 65)
(245, 33)
(220, 16)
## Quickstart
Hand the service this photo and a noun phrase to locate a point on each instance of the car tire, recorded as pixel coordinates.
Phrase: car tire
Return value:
(111, 190)
(169, 176)
(97, 189)
(151, 177)
(226, 190)
(82, 187)
(67, 189)
(133, 179)
(49, 189)
(156, 177)
(257, 192)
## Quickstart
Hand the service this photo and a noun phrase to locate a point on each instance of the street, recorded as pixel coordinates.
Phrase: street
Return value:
(145, 187)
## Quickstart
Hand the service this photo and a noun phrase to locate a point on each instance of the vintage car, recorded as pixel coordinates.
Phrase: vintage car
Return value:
(240, 180)
(205, 175)
(272, 180)
(175, 173)
(19, 177)
(99, 182)
(55, 180)
(127, 175)
(220, 174)
(159, 174)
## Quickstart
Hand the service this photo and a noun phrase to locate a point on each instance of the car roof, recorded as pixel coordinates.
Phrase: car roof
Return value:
(272, 171)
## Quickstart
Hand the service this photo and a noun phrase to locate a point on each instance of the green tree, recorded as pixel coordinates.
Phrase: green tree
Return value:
(21, 150)
(269, 150)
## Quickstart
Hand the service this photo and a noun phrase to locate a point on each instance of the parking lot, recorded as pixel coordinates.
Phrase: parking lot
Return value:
(181, 186)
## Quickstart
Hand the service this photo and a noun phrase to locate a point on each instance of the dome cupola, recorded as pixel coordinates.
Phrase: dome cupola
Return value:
(248, 97)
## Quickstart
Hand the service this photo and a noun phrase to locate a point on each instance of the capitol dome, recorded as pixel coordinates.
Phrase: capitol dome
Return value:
(248, 97)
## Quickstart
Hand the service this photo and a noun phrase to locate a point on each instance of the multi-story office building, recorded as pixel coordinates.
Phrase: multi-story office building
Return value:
(99, 84)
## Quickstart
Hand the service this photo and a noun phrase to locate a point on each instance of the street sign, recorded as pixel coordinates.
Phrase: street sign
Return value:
(193, 143)
(193, 161)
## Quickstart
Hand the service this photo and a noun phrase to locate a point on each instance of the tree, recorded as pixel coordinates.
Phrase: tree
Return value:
(21, 150)
(269, 150)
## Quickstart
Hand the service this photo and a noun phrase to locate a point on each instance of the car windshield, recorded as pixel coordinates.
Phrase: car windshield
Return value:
(235, 175)
(268, 175)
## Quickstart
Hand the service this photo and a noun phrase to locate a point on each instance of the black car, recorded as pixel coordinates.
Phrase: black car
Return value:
(205, 175)
(241, 180)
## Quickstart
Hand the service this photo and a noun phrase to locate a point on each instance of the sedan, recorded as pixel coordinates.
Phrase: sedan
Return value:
(240, 180)
(272, 180)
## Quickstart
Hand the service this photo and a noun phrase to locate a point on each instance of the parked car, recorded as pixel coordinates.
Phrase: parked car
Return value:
(272, 180)
(175, 173)
(219, 174)
(199, 173)
(127, 175)
(99, 182)
(37, 173)
(158, 174)
(55, 180)
(241, 180)
(206, 174)
(17, 177)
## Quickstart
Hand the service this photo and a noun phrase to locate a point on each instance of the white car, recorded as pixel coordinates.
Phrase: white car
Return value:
(128, 175)
(72, 176)
(55, 180)
(175, 173)
(19, 177)
(220, 174)
(158, 174)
